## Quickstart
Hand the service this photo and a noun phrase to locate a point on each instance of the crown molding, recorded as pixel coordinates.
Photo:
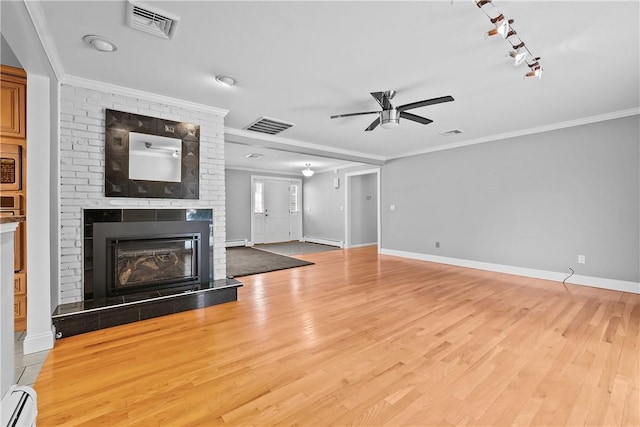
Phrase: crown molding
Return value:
(42, 30)
(258, 170)
(246, 137)
(539, 129)
(135, 93)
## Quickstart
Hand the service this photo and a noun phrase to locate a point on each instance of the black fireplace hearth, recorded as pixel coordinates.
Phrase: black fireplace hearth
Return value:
(143, 263)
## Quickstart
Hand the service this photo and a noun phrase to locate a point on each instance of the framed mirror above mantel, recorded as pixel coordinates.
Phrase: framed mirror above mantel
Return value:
(148, 157)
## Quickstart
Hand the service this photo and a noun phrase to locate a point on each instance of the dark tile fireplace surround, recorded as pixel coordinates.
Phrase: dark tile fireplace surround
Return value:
(143, 263)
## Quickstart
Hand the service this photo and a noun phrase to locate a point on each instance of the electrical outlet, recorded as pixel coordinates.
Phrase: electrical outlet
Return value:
(581, 259)
(437, 244)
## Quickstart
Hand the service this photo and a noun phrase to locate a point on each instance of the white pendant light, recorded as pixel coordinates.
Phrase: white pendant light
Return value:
(307, 171)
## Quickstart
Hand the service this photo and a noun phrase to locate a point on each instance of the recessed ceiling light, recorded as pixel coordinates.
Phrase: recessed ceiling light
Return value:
(100, 43)
(226, 81)
(253, 156)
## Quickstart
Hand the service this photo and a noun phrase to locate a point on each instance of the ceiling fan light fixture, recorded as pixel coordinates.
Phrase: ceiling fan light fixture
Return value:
(390, 119)
(307, 170)
(100, 43)
(390, 124)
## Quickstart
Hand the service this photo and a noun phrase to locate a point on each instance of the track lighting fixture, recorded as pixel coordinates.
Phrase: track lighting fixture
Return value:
(504, 27)
(307, 171)
(518, 56)
(519, 53)
(535, 68)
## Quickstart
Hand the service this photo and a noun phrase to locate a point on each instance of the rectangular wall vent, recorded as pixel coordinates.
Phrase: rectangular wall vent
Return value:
(150, 20)
(451, 132)
(269, 125)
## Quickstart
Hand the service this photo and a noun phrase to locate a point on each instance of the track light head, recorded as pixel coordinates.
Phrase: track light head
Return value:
(518, 56)
(503, 27)
(535, 67)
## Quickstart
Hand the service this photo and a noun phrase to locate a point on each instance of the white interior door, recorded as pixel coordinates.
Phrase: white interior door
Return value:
(275, 213)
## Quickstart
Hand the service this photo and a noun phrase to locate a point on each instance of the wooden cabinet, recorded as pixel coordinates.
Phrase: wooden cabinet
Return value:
(19, 301)
(13, 134)
(12, 116)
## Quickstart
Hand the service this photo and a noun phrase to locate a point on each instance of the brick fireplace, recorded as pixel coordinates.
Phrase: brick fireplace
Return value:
(82, 172)
(82, 189)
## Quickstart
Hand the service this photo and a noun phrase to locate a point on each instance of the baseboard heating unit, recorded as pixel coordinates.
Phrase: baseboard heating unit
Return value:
(330, 242)
(238, 242)
(19, 407)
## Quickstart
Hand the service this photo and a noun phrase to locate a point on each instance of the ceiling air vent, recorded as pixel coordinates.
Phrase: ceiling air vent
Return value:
(150, 20)
(269, 125)
(451, 132)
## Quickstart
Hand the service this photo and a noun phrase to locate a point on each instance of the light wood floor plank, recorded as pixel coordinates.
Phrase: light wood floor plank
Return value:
(362, 339)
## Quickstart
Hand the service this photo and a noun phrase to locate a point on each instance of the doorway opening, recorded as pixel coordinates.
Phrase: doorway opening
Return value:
(362, 208)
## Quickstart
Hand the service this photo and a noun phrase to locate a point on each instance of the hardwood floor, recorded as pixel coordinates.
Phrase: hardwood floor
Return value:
(362, 339)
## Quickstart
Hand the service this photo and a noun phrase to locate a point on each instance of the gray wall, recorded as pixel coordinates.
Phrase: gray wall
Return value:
(238, 201)
(7, 57)
(324, 205)
(536, 201)
(363, 209)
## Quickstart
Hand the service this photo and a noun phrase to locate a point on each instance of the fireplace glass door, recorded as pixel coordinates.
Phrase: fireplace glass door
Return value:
(136, 264)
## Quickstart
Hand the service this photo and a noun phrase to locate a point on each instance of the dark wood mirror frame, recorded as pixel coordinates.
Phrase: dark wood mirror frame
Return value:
(118, 125)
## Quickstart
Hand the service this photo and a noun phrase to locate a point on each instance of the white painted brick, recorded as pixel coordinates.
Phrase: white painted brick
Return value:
(86, 106)
(87, 162)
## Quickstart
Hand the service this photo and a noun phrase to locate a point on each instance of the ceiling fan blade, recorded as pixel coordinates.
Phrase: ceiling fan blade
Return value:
(354, 114)
(379, 97)
(373, 125)
(425, 103)
(415, 118)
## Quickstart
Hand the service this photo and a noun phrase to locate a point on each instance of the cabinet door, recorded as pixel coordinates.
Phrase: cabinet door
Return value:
(12, 109)
(19, 286)
(20, 307)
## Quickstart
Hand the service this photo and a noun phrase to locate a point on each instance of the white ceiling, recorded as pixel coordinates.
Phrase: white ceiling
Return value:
(304, 61)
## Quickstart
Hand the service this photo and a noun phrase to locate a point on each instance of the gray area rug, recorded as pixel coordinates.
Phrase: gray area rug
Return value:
(243, 261)
(295, 248)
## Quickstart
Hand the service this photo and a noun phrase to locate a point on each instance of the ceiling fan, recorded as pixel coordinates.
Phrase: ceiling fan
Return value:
(389, 117)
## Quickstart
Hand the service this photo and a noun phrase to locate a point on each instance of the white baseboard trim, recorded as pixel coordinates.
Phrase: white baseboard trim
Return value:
(238, 242)
(576, 279)
(363, 245)
(37, 342)
(330, 242)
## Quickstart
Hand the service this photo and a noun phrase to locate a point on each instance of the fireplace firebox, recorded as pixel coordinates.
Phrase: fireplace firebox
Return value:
(142, 263)
(133, 257)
